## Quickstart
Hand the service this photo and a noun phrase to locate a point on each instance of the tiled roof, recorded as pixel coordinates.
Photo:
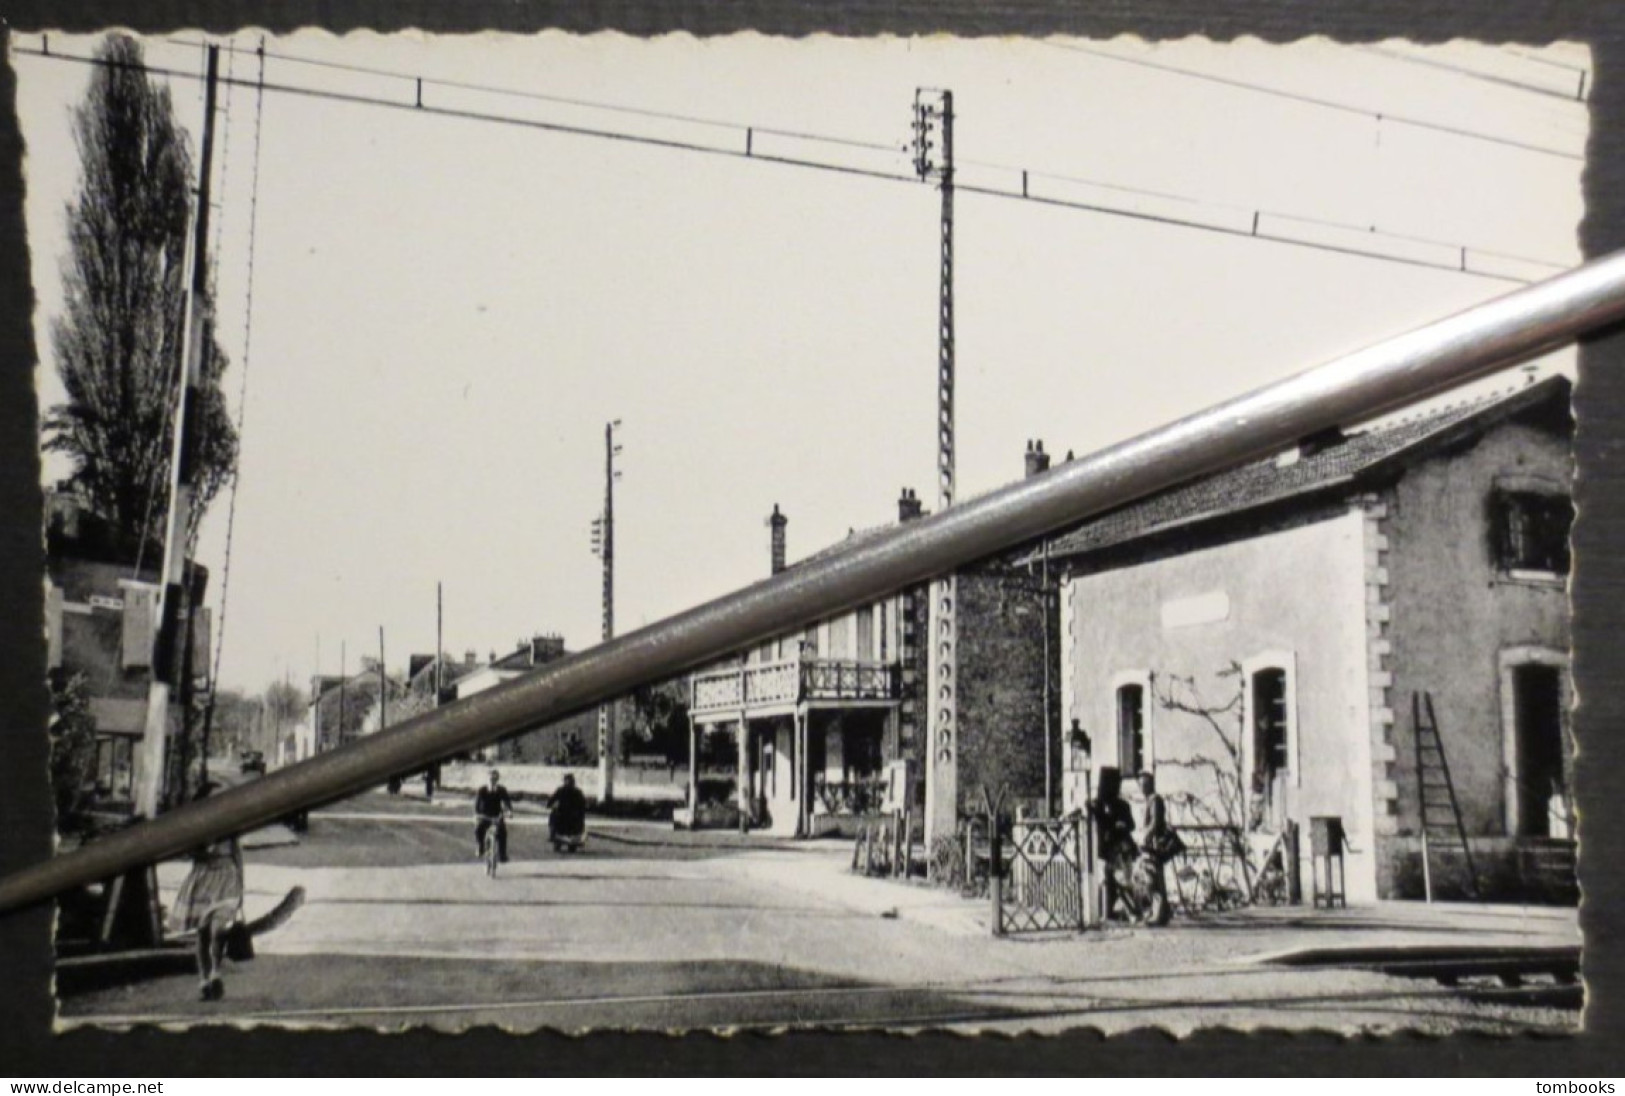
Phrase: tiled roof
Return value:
(1272, 479)
(853, 538)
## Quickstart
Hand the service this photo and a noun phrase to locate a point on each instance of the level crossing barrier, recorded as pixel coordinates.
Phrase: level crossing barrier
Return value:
(1468, 345)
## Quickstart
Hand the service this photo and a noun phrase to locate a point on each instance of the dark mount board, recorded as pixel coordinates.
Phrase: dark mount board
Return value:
(27, 1046)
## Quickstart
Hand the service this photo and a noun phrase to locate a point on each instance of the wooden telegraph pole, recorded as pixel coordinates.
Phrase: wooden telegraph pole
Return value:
(174, 592)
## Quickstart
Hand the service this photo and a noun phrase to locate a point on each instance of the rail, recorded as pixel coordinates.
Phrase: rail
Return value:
(1502, 332)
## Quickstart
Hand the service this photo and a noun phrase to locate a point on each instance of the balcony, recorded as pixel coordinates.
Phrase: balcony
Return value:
(783, 684)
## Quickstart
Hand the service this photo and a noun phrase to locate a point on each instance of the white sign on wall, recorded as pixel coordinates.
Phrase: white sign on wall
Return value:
(1188, 612)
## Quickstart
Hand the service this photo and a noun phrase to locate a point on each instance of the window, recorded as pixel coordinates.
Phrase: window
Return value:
(866, 633)
(1530, 531)
(1269, 708)
(1131, 729)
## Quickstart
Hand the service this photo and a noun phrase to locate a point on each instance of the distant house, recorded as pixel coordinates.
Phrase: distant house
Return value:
(1311, 602)
(100, 612)
(540, 745)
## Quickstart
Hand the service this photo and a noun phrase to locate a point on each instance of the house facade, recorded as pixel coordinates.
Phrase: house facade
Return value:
(1280, 643)
(101, 623)
(540, 745)
(813, 716)
(827, 723)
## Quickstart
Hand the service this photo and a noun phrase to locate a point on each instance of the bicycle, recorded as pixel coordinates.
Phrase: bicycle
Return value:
(491, 848)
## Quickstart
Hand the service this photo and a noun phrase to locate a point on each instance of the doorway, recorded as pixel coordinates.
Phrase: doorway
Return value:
(1537, 720)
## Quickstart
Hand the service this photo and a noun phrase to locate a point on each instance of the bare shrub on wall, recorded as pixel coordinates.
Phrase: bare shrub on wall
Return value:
(1212, 807)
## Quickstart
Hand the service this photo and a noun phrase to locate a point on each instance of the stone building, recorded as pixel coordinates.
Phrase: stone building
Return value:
(1279, 626)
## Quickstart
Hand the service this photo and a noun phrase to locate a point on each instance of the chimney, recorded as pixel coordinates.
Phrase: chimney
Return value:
(471, 657)
(908, 505)
(1310, 445)
(1037, 459)
(545, 649)
(777, 521)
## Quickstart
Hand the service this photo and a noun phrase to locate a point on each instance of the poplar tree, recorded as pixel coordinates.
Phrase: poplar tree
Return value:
(118, 341)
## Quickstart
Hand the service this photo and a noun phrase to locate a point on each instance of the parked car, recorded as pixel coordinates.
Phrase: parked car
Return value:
(253, 761)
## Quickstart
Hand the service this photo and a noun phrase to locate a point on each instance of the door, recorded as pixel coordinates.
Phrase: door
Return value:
(1537, 697)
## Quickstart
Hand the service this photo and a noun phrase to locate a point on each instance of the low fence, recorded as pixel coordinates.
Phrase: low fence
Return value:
(540, 781)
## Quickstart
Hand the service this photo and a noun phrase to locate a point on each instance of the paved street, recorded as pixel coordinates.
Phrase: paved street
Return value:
(649, 928)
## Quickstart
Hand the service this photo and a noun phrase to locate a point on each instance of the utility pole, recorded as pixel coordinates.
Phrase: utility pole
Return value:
(383, 684)
(174, 592)
(934, 162)
(603, 542)
(439, 641)
(342, 683)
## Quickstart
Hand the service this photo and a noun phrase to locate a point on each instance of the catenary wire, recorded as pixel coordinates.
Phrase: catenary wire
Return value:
(1311, 100)
(1458, 267)
(1471, 74)
(242, 400)
(562, 100)
(872, 145)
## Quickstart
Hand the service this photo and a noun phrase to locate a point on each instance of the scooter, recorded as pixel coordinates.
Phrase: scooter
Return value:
(566, 842)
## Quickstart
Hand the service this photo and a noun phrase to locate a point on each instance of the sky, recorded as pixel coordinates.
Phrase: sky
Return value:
(447, 311)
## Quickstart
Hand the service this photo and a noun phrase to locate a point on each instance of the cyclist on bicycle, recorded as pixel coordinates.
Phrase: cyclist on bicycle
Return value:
(492, 806)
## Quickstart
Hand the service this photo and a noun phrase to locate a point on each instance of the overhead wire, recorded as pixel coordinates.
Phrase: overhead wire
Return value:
(563, 100)
(242, 399)
(1324, 222)
(1473, 74)
(1458, 263)
(1316, 101)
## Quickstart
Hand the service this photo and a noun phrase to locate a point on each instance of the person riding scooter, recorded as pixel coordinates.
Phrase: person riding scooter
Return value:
(567, 816)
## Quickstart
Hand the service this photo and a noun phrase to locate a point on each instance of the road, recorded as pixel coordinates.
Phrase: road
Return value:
(650, 929)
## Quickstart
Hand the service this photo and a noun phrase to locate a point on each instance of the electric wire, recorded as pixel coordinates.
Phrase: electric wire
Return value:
(242, 404)
(562, 100)
(1472, 74)
(1457, 264)
(1325, 222)
(1311, 100)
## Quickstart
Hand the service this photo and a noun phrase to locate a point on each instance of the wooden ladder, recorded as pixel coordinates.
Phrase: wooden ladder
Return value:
(1436, 796)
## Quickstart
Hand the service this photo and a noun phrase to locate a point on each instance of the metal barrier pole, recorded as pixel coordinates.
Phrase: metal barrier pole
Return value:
(1490, 336)
(995, 877)
(1086, 905)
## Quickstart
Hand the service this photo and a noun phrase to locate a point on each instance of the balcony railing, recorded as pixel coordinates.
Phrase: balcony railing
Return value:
(790, 681)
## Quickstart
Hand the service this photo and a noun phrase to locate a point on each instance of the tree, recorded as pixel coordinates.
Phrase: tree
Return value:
(659, 719)
(119, 339)
(73, 749)
(570, 750)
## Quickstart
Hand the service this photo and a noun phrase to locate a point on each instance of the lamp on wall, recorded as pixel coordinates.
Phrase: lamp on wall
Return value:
(1078, 739)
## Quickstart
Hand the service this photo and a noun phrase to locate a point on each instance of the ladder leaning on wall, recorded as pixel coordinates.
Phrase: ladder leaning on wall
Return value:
(1442, 828)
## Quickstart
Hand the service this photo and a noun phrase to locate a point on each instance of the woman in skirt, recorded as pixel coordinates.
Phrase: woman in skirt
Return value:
(210, 902)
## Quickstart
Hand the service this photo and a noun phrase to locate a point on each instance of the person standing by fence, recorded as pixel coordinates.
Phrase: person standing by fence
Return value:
(1161, 841)
(1114, 835)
